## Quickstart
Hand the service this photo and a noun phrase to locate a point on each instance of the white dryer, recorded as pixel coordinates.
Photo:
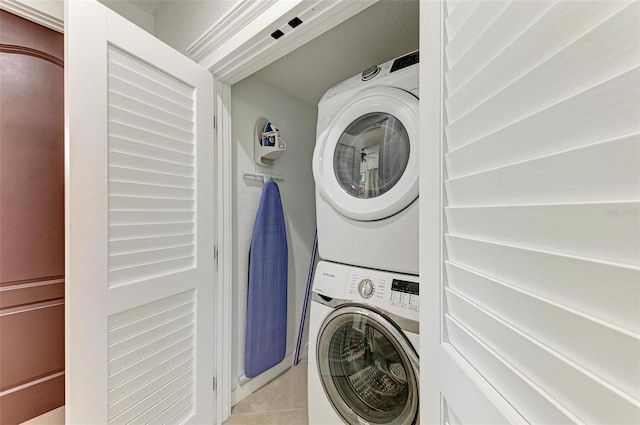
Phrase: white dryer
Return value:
(365, 165)
(363, 347)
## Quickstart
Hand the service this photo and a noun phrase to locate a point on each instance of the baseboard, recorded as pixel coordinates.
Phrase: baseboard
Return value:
(248, 386)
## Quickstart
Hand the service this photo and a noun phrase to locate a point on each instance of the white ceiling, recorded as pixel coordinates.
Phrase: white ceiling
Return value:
(382, 32)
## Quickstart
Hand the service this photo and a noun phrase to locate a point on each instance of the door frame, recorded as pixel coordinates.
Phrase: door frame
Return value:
(233, 48)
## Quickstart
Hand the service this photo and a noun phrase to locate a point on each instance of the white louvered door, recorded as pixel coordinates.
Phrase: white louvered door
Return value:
(530, 200)
(140, 226)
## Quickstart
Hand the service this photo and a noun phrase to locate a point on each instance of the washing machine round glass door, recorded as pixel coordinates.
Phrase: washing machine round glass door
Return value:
(366, 161)
(368, 368)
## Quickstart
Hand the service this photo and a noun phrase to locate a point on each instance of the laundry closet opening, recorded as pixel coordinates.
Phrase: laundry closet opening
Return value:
(286, 93)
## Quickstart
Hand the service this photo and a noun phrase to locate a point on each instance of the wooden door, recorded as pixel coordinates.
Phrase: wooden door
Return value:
(140, 213)
(31, 219)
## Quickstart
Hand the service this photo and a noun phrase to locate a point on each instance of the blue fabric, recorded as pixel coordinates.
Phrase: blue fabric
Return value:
(267, 296)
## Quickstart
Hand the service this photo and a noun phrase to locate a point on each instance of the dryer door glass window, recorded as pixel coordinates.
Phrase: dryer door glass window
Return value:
(371, 155)
(365, 369)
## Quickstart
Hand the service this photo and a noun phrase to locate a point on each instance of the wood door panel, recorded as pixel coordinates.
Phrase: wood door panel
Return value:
(31, 168)
(31, 219)
(20, 406)
(38, 355)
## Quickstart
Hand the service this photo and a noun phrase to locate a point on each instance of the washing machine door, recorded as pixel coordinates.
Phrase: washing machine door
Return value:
(368, 368)
(366, 161)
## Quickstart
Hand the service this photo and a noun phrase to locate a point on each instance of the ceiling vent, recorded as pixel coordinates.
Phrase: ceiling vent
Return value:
(295, 22)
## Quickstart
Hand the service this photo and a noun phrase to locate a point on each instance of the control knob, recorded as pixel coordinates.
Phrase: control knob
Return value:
(370, 72)
(366, 288)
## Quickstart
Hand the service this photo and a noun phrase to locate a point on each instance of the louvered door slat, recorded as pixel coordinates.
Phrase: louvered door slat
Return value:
(131, 104)
(119, 188)
(162, 267)
(564, 177)
(135, 134)
(120, 85)
(590, 343)
(529, 26)
(150, 396)
(132, 231)
(576, 68)
(596, 402)
(457, 18)
(126, 175)
(121, 63)
(609, 104)
(136, 367)
(540, 407)
(174, 404)
(145, 163)
(140, 244)
(164, 368)
(117, 349)
(576, 283)
(154, 125)
(149, 151)
(485, 14)
(175, 411)
(122, 368)
(540, 230)
(150, 217)
(581, 230)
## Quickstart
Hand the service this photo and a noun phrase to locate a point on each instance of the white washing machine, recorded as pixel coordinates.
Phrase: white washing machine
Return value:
(363, 347)
(365, 165)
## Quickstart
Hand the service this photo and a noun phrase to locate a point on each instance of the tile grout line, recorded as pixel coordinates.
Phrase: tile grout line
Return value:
(268, 411)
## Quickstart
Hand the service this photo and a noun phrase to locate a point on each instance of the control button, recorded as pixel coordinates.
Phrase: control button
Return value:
(370, 72)
(366, 288)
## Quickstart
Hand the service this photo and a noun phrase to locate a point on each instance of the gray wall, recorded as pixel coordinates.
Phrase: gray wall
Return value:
(252, 99)
(133, 13)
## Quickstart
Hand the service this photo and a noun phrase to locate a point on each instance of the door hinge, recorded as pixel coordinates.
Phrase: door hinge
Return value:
(214, 122)
(215, 255)
(215, 384)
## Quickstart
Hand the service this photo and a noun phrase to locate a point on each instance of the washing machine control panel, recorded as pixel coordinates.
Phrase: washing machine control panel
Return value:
(395, 293)
(405, 294)
(392, 292)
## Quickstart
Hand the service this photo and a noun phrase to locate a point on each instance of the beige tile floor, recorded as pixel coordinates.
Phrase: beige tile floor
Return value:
(281, 402)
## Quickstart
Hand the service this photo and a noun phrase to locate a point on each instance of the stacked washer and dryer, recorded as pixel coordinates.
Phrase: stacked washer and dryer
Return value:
(363, 331)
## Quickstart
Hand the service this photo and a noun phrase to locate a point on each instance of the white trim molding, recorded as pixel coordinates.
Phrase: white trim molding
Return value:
(48, 13)
(224, 173)
(233, 21)
(240, 43)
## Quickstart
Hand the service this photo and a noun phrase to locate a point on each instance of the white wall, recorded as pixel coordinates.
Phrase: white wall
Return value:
(180, 23)
(252, 99)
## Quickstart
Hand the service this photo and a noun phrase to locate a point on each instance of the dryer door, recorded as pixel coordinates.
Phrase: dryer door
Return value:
(368, 368)
(366, 162)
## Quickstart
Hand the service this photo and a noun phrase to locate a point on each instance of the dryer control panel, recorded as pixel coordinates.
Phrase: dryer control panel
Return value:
(393, 292)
